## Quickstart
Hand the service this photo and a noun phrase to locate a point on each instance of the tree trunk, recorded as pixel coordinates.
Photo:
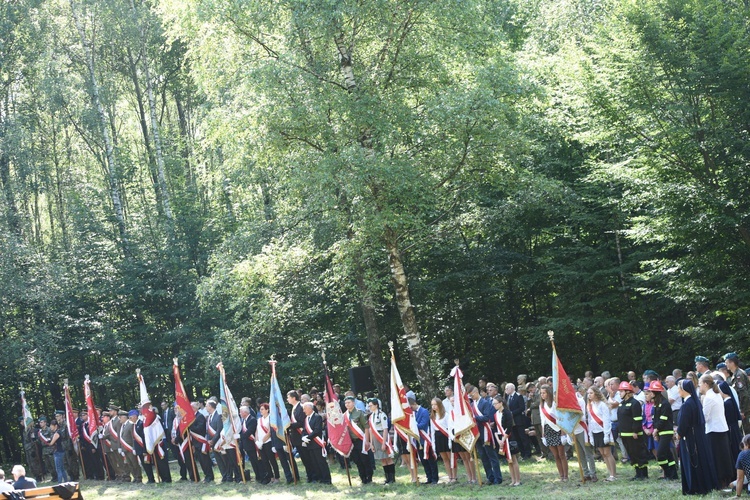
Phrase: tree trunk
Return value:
(5, 178)
(144, 130)
(408, 319)
(154, 123)
(374, 346)
(114, 189)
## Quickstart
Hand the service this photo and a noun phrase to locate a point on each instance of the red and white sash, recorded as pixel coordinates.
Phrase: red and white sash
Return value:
(43, 439)
(378, 437)
(551, 418)
(204, 444)
(183, 445)
(357, 430)
(87, 436)
(596, 418)
(485, 426)
(138, 439)
(125, 445)
(112, 432)
(317, 439)
(429, 447)
(504, 446)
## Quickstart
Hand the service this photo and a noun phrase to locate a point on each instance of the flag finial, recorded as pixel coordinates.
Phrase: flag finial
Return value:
(175, 361)
(20, 385)
(323, 354)
(137, 371)
(390, 346)
(65, 382)
(87, 378)
(551, 335)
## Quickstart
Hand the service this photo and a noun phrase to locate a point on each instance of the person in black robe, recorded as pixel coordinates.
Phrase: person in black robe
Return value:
(696, 456)
(732, 414)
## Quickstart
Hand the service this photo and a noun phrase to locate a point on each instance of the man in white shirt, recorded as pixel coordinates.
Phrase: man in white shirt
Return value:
(673, 394)
(638, 393)
(447, 401)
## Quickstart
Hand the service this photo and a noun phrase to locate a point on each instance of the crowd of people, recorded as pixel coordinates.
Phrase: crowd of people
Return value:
(693, 426)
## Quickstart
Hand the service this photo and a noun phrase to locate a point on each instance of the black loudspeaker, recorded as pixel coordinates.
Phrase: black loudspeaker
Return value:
(360, 379)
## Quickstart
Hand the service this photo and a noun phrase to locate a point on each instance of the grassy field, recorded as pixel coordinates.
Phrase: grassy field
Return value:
(539, 480)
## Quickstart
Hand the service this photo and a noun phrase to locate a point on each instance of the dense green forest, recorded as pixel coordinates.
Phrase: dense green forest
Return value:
(235, 179)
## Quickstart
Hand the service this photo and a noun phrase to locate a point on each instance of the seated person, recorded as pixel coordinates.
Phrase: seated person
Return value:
(22, 482)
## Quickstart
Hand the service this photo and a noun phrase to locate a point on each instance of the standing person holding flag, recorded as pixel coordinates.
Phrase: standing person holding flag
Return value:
(338, 433)
(567, 412)
(465, 430)
(153, 432)
(90, 431)
(402, 417)
(280, 423)
(227, 448)
(33, 456)
(184, 418)
(73, 454)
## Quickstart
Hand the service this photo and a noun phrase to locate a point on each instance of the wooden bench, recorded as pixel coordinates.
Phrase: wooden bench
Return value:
(65, 491)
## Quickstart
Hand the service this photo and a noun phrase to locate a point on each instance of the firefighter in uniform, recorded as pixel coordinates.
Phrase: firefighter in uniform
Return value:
(739, 381)
(663, 431)
(630, 418)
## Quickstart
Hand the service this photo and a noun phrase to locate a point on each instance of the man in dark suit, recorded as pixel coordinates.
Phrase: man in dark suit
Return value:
(214, 426)
(167, 421)
(247, 445)
(517, 407)
(296, 427)
(21, 483)
(312, 438)
(484, 414)
(201, 446)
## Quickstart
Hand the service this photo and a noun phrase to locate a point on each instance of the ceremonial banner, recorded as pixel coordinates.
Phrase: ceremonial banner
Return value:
(568, 410)
(153, 430)
(402, 415)
(229, 412)
(70, 419)
(278, 417)
(184, 411)
(91, 433)
(338, 433)
(28, 420)
(465, 427)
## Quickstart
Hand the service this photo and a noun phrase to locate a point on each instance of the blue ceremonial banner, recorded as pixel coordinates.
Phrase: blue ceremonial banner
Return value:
(278, 418)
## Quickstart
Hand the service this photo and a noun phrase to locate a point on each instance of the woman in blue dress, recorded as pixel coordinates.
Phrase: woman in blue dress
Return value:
(696, 456)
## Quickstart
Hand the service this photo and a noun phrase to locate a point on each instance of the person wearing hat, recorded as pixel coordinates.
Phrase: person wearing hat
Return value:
(380, 439)
(44, 435)
(701, 366)
(31, 447)
(663, 431)
(357, 425)
(127, 448)
(70, 460)
(738, 380)
(630, 419)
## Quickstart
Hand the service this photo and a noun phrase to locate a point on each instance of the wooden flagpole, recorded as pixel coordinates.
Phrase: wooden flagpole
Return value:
(476, 465)
(292, 462)
(348, 474)
(192, 456)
